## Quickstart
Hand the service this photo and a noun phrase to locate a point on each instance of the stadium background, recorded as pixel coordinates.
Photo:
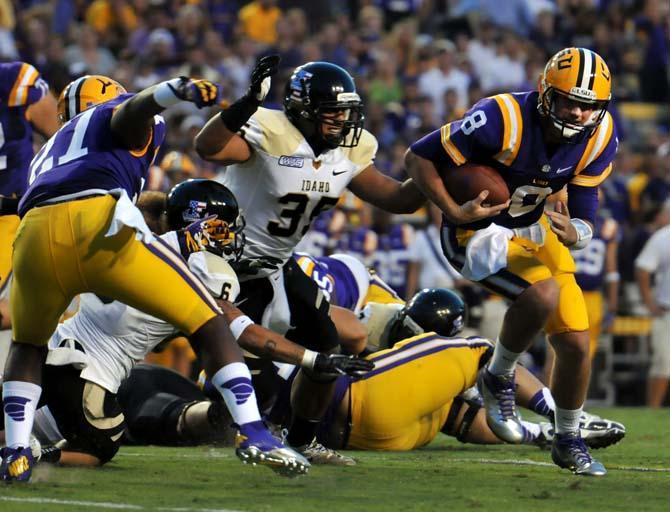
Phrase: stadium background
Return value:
(418, 64)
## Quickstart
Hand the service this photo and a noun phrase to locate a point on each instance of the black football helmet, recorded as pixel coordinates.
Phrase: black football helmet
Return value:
(196, 199)
(430, 310)
(317, 88)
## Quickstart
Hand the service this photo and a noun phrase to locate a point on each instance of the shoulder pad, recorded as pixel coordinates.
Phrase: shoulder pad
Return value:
(364, 152)
(271, 131)
(216, 274)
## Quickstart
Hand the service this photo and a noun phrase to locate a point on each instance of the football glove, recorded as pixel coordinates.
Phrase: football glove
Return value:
(260, 81)
(334, 365)
(252, 266)
(201, 92)
(202, 234)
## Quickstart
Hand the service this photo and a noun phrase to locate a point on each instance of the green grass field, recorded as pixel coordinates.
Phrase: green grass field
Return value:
(446, 475)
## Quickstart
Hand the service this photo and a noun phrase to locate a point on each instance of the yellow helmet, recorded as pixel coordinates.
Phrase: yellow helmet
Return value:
(580, 75)
(178, 161)
(86, 92)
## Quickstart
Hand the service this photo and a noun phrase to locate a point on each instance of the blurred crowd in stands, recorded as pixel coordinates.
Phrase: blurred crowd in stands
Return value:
(418, 64)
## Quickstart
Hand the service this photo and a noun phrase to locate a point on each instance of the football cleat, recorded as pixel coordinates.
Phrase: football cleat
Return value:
(596, 433)
(17, 464)
(255, 445)
(569, 451)
(499, 403)
(316, 453)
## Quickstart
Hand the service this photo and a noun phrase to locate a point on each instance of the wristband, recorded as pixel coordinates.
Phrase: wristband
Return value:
(612, 277)
(238, 325)
(309, 359)
(584, 233)
(164, 94)
(239, 113)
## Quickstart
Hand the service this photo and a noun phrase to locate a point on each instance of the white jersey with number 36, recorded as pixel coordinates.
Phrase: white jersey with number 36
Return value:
(284, 186)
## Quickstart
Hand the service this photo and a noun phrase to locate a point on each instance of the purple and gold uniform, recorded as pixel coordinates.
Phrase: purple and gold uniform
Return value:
(345, 281)
(20, 86)
(80, 233)
(590, 275)
(393, 255)
(423, 374)
(505, 132)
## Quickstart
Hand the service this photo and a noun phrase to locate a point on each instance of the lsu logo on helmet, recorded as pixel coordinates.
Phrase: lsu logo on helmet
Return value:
(86, 92)
(580, 75)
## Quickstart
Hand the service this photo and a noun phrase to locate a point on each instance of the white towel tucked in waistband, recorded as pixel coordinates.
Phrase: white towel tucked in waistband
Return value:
(486, 252)
(127, 214)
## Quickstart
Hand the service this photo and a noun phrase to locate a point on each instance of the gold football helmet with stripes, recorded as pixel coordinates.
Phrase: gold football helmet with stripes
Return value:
(580, 75)
(86, 92)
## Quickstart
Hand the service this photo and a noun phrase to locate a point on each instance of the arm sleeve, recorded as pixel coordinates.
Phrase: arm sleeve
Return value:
(583, 202)
(478, 132)
(28, 86)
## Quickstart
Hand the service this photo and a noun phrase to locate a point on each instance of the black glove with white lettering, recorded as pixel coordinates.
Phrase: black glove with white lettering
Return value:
(334, 365)
(252, 266)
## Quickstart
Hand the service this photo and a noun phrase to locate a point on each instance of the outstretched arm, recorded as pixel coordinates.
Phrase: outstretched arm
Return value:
(386, 193)
(267, 344)
(218, 140)
(133, 120)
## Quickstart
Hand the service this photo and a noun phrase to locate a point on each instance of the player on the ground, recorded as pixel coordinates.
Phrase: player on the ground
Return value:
(285, 168)
(162, 407)
(26, 106)
(539, 142)
(80, 232)
(91, 353)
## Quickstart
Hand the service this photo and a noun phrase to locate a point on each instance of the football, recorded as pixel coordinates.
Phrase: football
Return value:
(466, 181)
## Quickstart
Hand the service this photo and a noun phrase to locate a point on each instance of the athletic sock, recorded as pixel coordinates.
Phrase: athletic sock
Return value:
(567, 420)
(233, 381)
(503, 360)
(19, 400)
(542, 403)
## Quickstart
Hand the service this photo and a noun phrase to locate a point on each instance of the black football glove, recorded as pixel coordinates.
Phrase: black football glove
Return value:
(334, 365)
(201, 92)
(252, 266)
(259, 83)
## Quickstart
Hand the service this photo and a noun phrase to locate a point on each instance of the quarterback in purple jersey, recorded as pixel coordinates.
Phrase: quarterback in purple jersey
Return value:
(26, 106)
(80, 232)
(540, 142)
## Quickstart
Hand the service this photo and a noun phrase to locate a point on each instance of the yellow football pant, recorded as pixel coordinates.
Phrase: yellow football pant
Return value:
(403, 403)
(61, 251)
(529, 263)
(8, 227)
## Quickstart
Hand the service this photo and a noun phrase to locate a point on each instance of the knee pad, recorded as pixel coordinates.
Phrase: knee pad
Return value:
(461, 431)
(570, 314)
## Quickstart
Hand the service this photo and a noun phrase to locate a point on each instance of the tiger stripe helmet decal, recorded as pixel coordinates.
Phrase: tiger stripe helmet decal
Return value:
(85, 92)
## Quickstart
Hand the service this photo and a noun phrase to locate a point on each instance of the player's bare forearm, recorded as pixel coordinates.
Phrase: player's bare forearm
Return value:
(261, 341)
(643, 279)
(133, 120)
(216, 143)
(352, 333)
(43, 116)
(426, 178)
(386, 193)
